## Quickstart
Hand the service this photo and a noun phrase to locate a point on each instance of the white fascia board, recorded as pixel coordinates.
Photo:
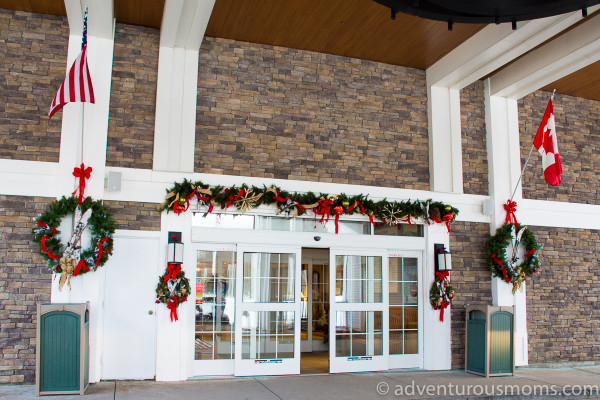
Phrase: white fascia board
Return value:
(559, 214)
(150, 186)
(495, 46)
(28, 178)
(566, 54)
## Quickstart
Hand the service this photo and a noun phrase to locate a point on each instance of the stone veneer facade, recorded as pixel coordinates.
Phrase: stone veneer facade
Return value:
(578, 135)
(474, 152)
(134, 216)
(470, 277)
(133, 97)
(563, 318)
(33, 58)
(24, 282)
(277, 112)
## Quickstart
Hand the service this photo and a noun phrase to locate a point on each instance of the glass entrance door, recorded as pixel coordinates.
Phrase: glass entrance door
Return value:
(358, 311)
(406, 310)
(267, 329)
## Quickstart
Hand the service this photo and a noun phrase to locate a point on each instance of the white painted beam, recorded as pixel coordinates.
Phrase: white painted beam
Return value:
(445, 147)
(567, 53)
(495, 46)
(182, 31)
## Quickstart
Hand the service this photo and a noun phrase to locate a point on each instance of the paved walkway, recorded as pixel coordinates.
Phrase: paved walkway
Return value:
(528, 383)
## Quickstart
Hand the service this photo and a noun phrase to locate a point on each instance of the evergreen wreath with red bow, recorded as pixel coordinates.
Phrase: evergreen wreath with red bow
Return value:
(101, 225)
(441, 293)
(173, 289)
(505, 268)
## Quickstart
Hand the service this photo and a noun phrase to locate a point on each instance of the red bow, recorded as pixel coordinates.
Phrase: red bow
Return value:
(172, 271)
(447, 219)
(82, 173)
(323, 210)
(510, 207)
(100, 243)
(172, 305)
(231, 198)
(80, 265)
(44, 238)
(442, 275)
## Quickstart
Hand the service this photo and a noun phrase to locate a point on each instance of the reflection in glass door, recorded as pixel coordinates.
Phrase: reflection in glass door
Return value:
(405, 311)
(267, 330)
(359, 315)
(315, 305)
(215, 310)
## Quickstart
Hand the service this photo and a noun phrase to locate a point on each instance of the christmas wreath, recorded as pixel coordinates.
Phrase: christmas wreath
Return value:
(508, 269)
(173, 289)
(441, 293)
(77, 261)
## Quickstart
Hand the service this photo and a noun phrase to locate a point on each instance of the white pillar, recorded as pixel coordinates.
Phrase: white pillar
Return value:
(504, 168)
(445, 148)
(182, 31)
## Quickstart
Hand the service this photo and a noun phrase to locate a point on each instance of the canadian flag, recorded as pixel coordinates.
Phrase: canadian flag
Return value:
(545, 142)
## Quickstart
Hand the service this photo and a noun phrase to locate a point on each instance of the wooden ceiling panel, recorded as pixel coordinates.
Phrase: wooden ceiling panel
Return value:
(353, 28)
(139, 12)
(52, 7)
(583, 83)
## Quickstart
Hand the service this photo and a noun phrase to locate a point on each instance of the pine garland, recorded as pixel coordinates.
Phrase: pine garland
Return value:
(509, 271)
(101, 225)
(294, 203)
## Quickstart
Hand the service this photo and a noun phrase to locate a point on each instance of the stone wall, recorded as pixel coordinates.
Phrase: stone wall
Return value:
(474, 152)
(133, 97)
(24, 282)
(578, 134)
(276, 112)
(563, 317)
(33, 62)
(470, 277)
(134, 216)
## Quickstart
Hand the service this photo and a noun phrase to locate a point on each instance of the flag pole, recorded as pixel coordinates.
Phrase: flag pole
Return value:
(527, 160)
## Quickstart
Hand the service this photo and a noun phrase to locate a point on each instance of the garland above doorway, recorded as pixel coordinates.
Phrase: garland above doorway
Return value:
(293, 204)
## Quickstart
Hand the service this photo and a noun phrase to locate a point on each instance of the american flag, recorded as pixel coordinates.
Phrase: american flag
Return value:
(77, 86)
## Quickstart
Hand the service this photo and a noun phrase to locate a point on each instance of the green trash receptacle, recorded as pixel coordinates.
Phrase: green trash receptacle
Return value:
(62, 351)
(489, 348)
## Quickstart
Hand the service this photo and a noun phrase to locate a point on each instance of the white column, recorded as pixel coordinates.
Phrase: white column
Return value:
(182, 31)
(504, 168)
(445, 148)
(88, 287)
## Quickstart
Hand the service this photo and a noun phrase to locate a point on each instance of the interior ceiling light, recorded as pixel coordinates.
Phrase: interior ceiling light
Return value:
(486, 11)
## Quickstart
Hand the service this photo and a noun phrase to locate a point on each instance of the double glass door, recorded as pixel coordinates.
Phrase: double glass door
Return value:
(267, 330)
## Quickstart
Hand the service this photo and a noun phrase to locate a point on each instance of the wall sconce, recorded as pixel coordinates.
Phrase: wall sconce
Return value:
(442, 258)
(175, 248)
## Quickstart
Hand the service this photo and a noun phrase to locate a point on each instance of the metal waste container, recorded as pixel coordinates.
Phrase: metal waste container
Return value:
(489, 349)
(62, 351)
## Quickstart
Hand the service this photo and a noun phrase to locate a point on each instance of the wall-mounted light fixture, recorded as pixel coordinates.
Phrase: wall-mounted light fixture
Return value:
(175, 248)
(443, 261)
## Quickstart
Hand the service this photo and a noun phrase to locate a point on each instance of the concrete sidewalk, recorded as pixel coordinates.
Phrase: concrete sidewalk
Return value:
(528, 383)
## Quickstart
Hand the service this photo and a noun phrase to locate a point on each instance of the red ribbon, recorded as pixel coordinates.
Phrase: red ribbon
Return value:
(82, 173)
(104, 240)
(172, 271)
(231, 198)
(510, 207)
(408, 220)
(504, 273)
(337, 210)
(43, 225)
(496, 260)
(447, 219)
(530, 252)
(172, 305)
(45, 250)
(435, 219)
(323, 210)
(80, 265)
(371, 220)
(280, 199)
(442, 275)
(442, 307)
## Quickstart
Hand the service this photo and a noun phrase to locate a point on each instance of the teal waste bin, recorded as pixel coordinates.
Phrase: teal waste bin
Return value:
(489, 348)
(62, 351)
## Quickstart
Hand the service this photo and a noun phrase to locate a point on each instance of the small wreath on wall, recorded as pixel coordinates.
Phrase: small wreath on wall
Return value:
(72, 260)
(173, 289)
(441, 293)
(509, 269)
